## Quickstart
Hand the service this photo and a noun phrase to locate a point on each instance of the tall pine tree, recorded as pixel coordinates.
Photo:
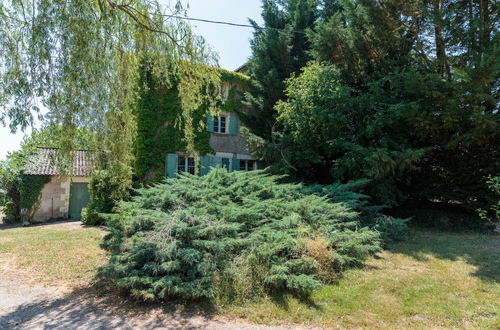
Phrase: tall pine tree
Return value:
(278, 49)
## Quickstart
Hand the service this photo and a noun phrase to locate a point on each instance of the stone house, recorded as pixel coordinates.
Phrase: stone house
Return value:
(226, 141)
(64, 196)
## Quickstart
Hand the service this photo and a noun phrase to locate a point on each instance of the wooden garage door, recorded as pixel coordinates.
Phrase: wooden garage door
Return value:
(78, 199)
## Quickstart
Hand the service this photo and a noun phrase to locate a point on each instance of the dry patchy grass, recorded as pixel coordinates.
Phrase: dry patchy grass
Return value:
(60, 254)
(433, 280)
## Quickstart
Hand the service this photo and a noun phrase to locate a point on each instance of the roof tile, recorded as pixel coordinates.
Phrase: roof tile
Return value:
(44, 162)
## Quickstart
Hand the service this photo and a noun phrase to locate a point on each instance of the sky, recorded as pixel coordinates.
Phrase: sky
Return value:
(231, 43)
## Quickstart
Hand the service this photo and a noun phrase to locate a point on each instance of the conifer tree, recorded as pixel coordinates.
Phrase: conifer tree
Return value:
(407, 95)
(279, 48)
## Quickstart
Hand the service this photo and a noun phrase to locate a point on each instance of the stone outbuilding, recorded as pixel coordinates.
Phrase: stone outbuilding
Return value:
(64, 196)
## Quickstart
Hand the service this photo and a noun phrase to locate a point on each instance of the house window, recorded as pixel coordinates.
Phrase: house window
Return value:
(248, 165)
(185, 164)
(220, 124)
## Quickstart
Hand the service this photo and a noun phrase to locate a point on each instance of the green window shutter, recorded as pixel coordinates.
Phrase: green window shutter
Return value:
(171, 166)
(217, 162)
(205, 162)
(233, 124)
(210, 123)
(236, 164)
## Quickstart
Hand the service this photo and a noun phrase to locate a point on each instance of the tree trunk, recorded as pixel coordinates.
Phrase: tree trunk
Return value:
(443, 66)
(484, 26)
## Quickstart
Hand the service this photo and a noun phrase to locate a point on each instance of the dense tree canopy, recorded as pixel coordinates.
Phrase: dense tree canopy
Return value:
(404, 93)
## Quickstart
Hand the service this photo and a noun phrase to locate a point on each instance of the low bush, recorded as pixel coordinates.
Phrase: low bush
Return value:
(229, 236)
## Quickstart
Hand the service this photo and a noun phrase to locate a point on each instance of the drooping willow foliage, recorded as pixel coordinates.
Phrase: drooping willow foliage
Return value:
(76, 63)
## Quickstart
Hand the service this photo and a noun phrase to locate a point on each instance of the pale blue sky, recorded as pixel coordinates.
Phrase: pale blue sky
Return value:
(231, 43)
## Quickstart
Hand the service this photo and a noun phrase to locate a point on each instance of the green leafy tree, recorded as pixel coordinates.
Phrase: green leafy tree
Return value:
(76, 64)
(332, 134)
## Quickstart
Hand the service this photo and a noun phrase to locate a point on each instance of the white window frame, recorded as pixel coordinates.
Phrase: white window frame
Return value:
(217, 126)
(186, 164)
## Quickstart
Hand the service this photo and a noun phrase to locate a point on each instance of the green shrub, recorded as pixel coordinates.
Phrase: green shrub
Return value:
(91, 216)
(492, 213)
(230, 236)
(2, 197)
(390, 228)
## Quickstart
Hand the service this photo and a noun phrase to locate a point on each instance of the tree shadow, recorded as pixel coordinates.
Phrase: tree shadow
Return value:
(480, 249)
(49, 223)
(91, 308)
(283, 300)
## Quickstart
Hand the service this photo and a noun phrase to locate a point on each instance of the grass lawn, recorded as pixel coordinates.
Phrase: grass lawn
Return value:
(59, 254)
(432, 280)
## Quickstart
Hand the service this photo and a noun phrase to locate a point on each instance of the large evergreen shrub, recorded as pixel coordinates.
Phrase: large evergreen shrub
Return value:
(231, 236)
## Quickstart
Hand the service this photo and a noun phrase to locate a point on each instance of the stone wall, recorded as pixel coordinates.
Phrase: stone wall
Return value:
(228, 143)
(54, 199)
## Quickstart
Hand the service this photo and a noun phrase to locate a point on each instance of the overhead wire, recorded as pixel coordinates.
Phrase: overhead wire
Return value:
(233, 24)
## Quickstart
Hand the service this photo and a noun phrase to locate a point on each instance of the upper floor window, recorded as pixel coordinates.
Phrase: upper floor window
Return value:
(220, 124)
(223, 123)
(185, 164)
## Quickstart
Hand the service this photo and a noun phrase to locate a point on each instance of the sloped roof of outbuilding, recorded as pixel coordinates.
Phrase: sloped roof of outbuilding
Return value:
(44, 162)
(242, 68)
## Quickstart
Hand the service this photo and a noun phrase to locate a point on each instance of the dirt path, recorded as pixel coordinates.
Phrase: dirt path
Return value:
(23, 307)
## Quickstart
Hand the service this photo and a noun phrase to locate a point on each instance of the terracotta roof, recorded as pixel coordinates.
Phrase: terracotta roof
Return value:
(44, 162)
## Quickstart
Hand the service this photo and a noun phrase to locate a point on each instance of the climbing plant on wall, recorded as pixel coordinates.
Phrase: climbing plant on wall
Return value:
(30, 189)
(159, 130)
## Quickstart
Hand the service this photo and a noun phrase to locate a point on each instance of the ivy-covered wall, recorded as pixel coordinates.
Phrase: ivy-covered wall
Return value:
(24, 195)
(158, 132)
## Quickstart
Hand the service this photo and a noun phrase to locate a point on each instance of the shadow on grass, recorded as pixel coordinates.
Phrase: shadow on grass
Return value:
(480, 249)
(5, 226)
(282, 300)
(97, 308)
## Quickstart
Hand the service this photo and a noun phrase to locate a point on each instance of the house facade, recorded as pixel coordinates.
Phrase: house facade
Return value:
(229, 149)
(227, 143)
